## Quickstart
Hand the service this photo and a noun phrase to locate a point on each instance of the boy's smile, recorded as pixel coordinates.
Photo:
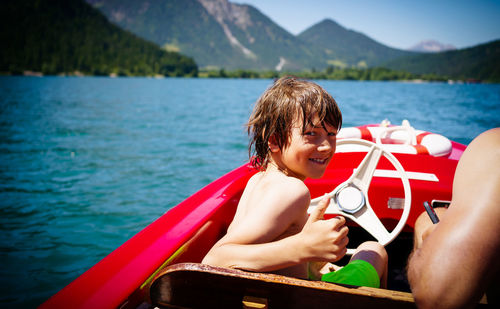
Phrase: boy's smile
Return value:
(319, 161)
(308, 152)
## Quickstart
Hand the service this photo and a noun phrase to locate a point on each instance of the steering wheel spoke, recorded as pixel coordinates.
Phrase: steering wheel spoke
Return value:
(333, 208)
(363, 175)
(367, 219)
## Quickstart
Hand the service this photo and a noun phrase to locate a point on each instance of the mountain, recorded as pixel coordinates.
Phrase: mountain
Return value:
(480, 62)
(68, 36)
(61, 36)
(216, 33)
(221, 34)
(431, 46)
(343, 47)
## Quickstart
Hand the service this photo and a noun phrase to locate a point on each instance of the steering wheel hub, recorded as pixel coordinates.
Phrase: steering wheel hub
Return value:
(350, 199)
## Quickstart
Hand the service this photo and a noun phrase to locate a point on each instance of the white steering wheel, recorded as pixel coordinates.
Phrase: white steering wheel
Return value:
(350, 198)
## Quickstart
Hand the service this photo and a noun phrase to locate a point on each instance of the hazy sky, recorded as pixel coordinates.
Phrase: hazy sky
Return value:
(396, 23)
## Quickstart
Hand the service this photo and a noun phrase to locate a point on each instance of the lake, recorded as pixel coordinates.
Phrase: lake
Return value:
(86, 163)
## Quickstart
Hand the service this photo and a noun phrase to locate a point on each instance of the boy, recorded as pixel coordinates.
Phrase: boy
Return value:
(293, 129)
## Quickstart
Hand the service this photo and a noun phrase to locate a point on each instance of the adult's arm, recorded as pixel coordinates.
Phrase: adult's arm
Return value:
(459, 258)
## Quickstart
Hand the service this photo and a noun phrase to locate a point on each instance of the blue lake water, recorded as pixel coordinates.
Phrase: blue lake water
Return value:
(85, 163)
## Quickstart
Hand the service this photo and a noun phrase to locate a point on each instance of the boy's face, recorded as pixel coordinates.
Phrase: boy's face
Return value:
(309, 151)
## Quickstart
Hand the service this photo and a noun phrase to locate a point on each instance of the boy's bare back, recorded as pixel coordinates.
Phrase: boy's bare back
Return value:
(272, 232)
(272, 207)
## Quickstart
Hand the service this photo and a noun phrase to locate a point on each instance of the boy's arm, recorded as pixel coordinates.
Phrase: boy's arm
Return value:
(318, 240)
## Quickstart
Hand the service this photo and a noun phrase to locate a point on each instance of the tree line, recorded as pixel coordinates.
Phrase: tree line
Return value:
(67, 36)
(330, 73)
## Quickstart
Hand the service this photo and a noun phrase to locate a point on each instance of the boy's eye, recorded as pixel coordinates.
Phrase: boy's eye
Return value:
(310, 133)
(332, 133)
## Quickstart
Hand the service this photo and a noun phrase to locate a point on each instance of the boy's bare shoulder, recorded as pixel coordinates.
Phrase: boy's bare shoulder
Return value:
(284, 189)
(271, 203)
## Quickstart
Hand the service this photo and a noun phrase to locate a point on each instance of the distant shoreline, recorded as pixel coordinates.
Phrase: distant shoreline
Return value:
(372, 74)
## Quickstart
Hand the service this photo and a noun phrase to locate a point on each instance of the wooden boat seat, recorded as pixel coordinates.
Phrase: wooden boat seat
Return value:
(193, 285)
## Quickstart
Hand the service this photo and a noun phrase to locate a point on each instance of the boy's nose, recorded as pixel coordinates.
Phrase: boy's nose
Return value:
(326, 145)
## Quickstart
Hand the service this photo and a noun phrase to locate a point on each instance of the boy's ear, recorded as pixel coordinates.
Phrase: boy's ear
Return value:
(272, 144)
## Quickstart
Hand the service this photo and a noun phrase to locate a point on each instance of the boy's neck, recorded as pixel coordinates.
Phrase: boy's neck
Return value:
(273, 166)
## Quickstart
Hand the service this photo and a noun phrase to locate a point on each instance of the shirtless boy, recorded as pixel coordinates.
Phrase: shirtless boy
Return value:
(293, 132)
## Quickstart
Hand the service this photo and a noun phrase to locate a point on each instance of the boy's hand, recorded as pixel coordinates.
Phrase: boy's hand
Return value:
(325, 240)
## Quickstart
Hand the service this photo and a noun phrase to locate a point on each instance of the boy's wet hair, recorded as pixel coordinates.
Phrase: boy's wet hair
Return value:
(288, 99)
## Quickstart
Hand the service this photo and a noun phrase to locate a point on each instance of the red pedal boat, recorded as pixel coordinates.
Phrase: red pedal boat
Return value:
(379, 178)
